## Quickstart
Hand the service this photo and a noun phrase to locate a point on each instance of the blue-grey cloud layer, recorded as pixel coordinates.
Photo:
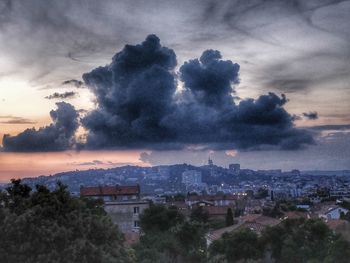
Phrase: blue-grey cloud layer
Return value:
(138, 106)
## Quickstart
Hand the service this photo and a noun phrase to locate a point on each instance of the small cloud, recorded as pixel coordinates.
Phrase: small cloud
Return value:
(15, 120)
(99, 162)
(94, 162)
(65, 95)
(232, 153)
(312, 115)
(296, 117)
(73, 82)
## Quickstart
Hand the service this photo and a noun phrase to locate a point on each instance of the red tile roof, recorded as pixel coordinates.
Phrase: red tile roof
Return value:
(109, 190)
(216, 210)
(336, 223)
(260, 219)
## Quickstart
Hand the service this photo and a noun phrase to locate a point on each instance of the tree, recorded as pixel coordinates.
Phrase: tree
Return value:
(301, 240)
(273, 212)
(229, 217)
(158, 218)
(293, 240)
(242, 245)
(45, 226)
(199, 214)
(169, 238)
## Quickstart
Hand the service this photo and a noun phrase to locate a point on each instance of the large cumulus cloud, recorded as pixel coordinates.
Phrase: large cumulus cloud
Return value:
(134, 94)
(139, 106)
(58, 136)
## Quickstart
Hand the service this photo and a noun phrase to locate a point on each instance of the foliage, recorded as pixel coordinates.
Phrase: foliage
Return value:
(229, 217)
(199, 214)
(158, 218)
(171, 239)
(45, 226)
(216, 223)
(243, 244)
(274, 212)
(296, 240)
(301, 240)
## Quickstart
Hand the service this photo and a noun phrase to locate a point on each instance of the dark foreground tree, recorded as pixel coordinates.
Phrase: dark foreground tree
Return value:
(45, 226)
(167, 237)
(229, 217)
(242, 245)
(301, 240)
(297, 240)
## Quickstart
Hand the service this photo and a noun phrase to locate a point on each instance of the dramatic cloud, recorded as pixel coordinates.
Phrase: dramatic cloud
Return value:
(311, 115)
(140, 107)
(58, 136)
(65, 95)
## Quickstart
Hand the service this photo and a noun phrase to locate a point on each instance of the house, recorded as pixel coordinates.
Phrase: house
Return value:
(296, 215)
(218, 212)
(255, 222)
(122, 203)
(216, 200)
(332, 212)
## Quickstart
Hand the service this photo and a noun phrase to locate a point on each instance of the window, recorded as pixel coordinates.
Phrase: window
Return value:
(136, 210)
(136, 223)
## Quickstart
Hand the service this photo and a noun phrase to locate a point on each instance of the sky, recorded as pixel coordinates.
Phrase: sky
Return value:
(97, 84)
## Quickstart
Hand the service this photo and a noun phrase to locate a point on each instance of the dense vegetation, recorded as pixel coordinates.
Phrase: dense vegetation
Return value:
(297, 240)
(51, 226)
(168, 237)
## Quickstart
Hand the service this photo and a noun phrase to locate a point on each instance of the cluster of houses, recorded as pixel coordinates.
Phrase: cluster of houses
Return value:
(124, 204)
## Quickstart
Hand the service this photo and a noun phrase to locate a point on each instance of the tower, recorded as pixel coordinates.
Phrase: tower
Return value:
(210, 162)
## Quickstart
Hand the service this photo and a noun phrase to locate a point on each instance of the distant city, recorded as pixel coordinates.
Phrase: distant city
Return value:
(208, 179)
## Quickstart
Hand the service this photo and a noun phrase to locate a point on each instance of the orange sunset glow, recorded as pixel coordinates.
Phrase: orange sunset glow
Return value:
(19, 165)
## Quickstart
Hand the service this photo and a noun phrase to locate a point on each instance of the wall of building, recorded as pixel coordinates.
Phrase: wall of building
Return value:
(126, 214)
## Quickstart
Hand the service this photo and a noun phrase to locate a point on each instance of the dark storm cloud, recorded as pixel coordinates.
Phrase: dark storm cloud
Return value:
(312, 115)
(138, 106)
(210, 79)
(65, 95)
(134, 93)
(58, 136)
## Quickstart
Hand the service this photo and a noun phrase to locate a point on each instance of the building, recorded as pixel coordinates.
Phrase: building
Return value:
(122, 203)
(255, 222)
(332, 212)
(192, 177)
(215, 200)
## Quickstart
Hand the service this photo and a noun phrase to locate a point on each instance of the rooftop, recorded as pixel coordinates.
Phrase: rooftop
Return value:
(109, 190)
